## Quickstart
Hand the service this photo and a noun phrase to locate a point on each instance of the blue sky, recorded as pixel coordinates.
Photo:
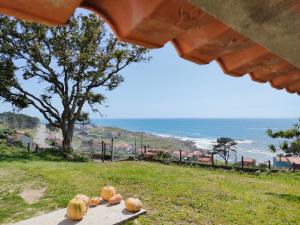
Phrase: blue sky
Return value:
(171, 87)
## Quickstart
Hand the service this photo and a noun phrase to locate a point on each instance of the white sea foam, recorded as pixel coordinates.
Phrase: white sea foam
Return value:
(162, 135)
(244, 141)
(204, 143)
(244, 147)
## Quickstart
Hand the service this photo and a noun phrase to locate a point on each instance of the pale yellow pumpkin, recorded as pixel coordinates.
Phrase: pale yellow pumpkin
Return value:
(116, 199)
(95, 201)
(107, 192)
(76, 209)
(85, 199)
(133, 205)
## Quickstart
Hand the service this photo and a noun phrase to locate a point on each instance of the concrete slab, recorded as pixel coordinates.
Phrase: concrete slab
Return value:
(99, 215)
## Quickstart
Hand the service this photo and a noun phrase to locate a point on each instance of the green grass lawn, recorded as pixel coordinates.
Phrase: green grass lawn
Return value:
(172, 194)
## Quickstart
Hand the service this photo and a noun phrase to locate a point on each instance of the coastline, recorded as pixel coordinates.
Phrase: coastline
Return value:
(249, 133)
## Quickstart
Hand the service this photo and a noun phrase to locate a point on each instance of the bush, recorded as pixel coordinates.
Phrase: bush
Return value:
(18, 144)
(77, 157)
(7, 131)
(263, 166)
(3, 136)
(165, 157)
(257, 173)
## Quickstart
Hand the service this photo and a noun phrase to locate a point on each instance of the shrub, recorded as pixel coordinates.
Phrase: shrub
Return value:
(164, 156)
(263, 166)
(77, 157)
(3, 136)
(257, 173)
(18, 144)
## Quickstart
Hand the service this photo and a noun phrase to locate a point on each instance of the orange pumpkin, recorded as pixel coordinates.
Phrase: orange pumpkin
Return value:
(95, 201)
(76, 209)
(133, 205)
(116, 199)
(107, 192)
(85, 199)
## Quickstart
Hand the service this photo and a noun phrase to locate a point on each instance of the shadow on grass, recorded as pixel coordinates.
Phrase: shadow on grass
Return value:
(288, 197)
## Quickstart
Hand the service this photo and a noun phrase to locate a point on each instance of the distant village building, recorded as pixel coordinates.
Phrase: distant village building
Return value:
(22, 138)
(286, 162)
(248, 161)
(206, 159)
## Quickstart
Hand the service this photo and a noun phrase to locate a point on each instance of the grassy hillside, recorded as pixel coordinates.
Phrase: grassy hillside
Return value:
(172, 194)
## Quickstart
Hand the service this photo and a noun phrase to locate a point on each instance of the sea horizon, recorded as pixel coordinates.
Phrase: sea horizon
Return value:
(248, 132)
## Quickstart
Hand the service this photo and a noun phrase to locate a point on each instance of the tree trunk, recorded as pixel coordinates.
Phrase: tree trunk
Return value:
(66, 144)
(67, 138)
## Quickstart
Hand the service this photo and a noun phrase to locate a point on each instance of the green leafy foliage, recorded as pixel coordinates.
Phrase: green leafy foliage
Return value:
(74, 63)
(20, 121)
(164, 156)
(77, 157)
(292, 143)
(225, 147)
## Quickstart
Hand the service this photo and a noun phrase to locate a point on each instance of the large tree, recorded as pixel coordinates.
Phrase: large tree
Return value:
(290, 143)
(224, 147)
(68, 64)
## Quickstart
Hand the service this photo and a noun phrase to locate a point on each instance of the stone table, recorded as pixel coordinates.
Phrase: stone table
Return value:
(102, 214)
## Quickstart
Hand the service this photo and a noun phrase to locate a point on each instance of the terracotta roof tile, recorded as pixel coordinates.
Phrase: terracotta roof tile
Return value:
(197, 36)
(295, 160)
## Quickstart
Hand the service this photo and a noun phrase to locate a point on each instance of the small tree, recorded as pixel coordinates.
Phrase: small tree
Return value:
(224, 147)
(69, 65)
(291, 144)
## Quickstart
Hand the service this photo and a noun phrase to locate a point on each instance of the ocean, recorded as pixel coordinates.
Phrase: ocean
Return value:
(249, 133)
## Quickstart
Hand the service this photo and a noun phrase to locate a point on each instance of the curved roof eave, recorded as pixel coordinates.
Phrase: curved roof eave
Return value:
(196, 35)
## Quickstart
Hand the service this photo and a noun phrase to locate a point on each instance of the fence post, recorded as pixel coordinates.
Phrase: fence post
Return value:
(112, 150)
(102, 148)
(142, 143)
(269, 165)
(91, 146)
(145, 149)
(28, 147)
(135, 146)
(212, 160)
(242, 162)
(180, 155)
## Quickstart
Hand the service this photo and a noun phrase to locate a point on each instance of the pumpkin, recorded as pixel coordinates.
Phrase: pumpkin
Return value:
(107, 192)
(76, 209)
(133, 205)
(85, 199)
(95, 201)
(116, 199)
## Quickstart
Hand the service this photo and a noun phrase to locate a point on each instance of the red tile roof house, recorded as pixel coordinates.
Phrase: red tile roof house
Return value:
(287, 162)
(151, 153)
(249, 162)
(206, 159)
